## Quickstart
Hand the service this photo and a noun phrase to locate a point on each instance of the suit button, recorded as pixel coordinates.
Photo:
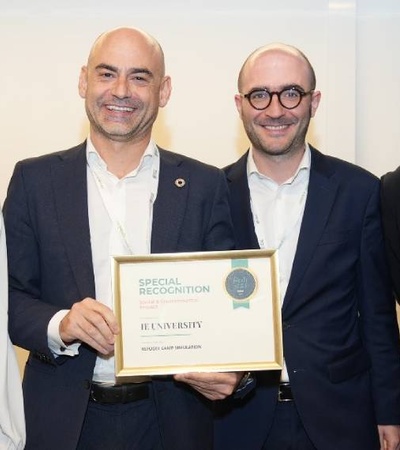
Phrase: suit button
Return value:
(86, 384)
(286, 325)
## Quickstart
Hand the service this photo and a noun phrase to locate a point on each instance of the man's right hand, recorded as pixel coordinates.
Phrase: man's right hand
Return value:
(91, 322)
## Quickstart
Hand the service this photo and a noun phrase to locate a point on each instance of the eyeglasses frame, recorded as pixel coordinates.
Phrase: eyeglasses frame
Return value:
(278, 94)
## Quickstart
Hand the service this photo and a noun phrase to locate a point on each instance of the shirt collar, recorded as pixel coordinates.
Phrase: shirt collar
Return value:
(304, 165)
(94, 158)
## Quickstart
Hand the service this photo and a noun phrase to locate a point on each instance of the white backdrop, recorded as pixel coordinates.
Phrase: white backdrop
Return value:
(352, 45)
(43, 44)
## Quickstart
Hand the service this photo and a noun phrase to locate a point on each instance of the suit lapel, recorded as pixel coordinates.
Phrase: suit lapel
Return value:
(320, 198)
(69, 179)
(242, 217)
(169, 207)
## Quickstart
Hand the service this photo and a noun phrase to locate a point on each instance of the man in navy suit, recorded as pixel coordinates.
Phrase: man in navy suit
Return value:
(340, 385)
(65, 214)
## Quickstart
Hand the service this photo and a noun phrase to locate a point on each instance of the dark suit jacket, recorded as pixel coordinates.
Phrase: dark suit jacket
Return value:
(390, 193)
(340, 333)
(50, 268)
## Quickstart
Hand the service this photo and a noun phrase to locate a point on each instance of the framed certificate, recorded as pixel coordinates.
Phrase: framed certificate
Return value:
(197, 312)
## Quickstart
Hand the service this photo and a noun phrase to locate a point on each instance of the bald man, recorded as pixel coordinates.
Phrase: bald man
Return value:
(66, 213)
(340, 385)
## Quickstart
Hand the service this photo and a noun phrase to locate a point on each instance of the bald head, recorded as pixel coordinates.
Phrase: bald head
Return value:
(128, 37)
(124, 85)
(271, 50)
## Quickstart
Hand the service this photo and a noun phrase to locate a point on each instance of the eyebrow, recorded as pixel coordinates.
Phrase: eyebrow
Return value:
(281, 88)
(132, 71)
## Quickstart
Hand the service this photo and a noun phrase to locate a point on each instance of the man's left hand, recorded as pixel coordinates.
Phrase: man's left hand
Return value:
(214, 386)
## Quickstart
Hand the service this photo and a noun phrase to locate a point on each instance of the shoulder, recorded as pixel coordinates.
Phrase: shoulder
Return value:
(192, 164)
(391, 180)
(40, 162)
(345, 172)
(237, 168)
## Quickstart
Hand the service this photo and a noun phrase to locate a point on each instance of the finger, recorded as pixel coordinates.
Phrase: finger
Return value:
(108, 317)
(77, 328)
(103, 310)
(96, 325)
(197, 377)
(97, 334)
(213, 386)
(87, 321)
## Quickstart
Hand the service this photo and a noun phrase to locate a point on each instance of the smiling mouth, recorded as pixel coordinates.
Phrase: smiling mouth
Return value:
(275, 127)
(120, 108)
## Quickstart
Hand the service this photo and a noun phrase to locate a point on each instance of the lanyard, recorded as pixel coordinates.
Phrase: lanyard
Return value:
(260, 228)
(117, 216)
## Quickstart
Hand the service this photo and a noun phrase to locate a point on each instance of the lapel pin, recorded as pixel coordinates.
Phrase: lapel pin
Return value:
(180, 182)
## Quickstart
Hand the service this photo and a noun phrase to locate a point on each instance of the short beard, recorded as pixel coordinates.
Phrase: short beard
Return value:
(296, 145)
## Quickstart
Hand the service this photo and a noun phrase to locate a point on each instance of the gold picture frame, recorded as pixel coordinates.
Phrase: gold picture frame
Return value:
(197, 312)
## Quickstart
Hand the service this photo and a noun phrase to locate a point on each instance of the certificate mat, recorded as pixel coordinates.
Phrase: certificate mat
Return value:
(197, 312)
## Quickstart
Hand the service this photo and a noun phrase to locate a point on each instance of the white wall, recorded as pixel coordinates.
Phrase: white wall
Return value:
(352, 45)
(378, 85)
(43, 45)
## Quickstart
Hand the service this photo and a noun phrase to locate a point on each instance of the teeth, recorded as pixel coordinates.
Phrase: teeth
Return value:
(277, 127)
(119, 108)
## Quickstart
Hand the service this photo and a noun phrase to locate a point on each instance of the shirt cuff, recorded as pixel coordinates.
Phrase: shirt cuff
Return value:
(55, 343)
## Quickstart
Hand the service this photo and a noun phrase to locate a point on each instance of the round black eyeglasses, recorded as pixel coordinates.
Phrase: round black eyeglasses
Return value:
(289, 98)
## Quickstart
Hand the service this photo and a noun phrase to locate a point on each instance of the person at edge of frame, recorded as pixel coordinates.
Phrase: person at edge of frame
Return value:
(12, 419)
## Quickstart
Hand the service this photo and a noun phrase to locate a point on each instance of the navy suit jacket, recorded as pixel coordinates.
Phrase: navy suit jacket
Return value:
(340, 334)
(390, 194)
(50, 268)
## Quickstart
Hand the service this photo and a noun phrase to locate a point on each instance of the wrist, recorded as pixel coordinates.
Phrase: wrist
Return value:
(244, 382)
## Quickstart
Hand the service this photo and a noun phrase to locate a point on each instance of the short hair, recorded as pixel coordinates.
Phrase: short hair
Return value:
(285, 48)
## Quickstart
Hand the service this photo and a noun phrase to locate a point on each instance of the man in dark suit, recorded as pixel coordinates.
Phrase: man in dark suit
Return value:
(390, 195)
(340, 385)
(66, 213)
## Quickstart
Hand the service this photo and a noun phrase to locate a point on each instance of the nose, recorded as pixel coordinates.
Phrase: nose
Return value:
(121, 88)
(275, 109)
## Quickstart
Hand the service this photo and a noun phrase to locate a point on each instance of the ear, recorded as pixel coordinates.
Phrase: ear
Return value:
(315, 99)
(165, 91)
(82, 86)
(239, 103)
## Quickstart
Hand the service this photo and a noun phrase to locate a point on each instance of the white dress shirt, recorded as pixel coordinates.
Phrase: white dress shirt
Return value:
(12, 420)
(277, 214)
(120, 221)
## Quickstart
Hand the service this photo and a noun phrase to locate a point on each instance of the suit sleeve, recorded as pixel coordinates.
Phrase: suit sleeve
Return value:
(28, 315)
(219, 234)
(378, 317)
(390, 197)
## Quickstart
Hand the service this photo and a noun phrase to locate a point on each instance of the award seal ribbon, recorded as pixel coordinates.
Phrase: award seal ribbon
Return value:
(240, 283)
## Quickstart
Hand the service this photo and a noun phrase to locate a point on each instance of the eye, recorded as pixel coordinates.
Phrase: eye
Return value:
(291, 94)
(106, 74)
(259, 95)
(140, 79)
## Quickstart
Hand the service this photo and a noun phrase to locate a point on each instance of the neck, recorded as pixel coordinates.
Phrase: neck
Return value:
(277, 167)
(121, 157)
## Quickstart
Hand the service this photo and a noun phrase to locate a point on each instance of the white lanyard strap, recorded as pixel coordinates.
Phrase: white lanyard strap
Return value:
(116, 216)
(260, 228)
